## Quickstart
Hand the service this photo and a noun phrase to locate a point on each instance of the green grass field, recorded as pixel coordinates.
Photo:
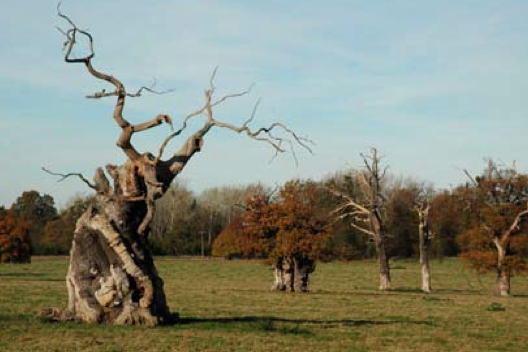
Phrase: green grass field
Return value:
(226, 306)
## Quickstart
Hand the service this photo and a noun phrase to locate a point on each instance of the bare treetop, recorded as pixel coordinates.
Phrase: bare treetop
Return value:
(263, 134)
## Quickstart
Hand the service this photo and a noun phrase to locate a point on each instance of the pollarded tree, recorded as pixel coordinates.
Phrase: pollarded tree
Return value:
(499, 198)
(366, 210)
(288, 230)
(301, 235)
(111, 276)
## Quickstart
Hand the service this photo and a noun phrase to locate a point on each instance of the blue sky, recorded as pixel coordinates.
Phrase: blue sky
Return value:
(435, 85)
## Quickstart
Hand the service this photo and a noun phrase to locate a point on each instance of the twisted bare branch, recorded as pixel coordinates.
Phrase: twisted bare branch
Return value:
(263, 134)
(68, 175)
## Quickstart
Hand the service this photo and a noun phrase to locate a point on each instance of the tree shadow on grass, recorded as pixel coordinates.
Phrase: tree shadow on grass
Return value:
(518, 296)
(465, 292)
(312, 322)
(407, 290)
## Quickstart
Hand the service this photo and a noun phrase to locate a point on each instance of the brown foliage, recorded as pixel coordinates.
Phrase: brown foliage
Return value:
(14, 240)
(36, 210)
(228, 243)
(287, 227)
(300, 231)
(58, 233)
(498, 198)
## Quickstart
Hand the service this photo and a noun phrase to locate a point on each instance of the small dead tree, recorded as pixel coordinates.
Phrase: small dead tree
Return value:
(425, 236)
(367, 213)
(111, 276)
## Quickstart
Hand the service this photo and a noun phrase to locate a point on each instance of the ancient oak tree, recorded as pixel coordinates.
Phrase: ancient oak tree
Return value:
(301, 235)
(111, 276)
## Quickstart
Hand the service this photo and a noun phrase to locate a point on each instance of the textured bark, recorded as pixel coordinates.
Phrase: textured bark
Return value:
(503, 281)
(503, 270)
(384, 268)
(111, 277)
(424, 235)
(292, 274)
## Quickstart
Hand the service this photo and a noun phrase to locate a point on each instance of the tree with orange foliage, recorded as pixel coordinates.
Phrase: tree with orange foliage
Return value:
(287, 230)
(248, 235)
(228, 244)
(14, 240)
(291, 232)
(500, 241)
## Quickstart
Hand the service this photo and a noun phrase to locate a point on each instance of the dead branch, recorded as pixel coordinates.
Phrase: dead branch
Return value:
(71, 174)
(128, 129)
(350, 203)
(103, 93)
(263, 134)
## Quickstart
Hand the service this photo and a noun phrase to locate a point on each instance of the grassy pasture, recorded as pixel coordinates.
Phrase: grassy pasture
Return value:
(225, 306)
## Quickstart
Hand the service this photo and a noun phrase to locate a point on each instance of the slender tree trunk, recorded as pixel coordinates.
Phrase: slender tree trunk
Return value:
(385, 279)
(503, 281)
(503, 270)
(426, 277)
(424, 257)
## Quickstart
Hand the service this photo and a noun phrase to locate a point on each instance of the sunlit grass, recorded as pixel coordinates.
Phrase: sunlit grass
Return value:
(226, 306)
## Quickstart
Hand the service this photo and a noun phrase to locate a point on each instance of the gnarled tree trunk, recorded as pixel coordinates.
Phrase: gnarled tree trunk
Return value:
(112, 277)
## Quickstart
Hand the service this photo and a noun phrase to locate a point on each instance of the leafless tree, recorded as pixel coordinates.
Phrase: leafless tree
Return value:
(366, 212)
(111, 276)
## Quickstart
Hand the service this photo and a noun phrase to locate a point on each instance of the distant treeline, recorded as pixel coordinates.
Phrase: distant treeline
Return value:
(187, 223)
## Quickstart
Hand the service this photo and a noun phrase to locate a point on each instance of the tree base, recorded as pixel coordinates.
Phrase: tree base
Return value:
(292, 274)
(112, 278)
